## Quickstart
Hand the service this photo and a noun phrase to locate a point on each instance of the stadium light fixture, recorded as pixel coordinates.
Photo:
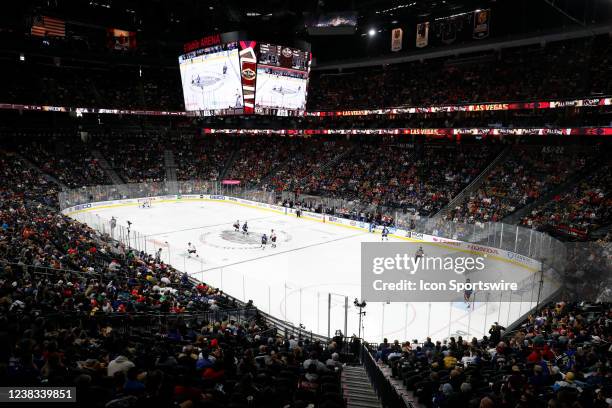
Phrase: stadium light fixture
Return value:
(372, 32)
(22, 57)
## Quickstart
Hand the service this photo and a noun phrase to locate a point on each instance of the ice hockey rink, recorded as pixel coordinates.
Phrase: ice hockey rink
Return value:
(294, 281)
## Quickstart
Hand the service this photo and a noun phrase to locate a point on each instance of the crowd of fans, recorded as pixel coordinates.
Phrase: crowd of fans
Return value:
(66, 159)
(123, 87)
(136, 158)
(304, 168)
(422, 179)
(208, 350)
(254, 161)
(378, 176)
(526, 175)
(582, 209)
(559, 358)
(26, 183)
(558, 70)
(201, 158)
(80, 309)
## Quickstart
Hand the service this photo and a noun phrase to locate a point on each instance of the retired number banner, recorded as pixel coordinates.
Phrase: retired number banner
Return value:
(397, 35)
(422, 34)
(482, 23)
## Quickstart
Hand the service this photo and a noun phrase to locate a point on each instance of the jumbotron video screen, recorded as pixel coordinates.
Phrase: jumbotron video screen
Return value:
(282, 77)
(211, 78)
(223, 78)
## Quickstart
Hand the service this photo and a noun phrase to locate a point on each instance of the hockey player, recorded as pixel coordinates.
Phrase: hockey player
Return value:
(113, 225)
(419, 253)
(264, 241)
(372, 226)
(273, 238)
(245, 229)
(467, 295)
(191, 250)
(237, 226)
(385, 233)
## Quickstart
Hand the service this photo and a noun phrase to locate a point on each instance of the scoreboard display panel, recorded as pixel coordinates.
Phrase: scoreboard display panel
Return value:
(245, 77)
(282, 77)
(284, 57)
(211, 78)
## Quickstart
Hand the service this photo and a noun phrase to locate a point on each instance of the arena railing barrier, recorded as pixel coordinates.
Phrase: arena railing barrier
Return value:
(519, 240)
(545, 254)
(380, 111)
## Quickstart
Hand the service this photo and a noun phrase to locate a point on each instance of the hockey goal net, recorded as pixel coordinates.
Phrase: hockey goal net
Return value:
(145, 202)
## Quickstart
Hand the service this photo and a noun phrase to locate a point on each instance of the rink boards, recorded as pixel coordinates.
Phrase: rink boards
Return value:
(314, 270)
(519, 260)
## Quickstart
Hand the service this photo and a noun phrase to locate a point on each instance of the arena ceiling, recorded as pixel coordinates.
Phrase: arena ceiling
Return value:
(174, 22)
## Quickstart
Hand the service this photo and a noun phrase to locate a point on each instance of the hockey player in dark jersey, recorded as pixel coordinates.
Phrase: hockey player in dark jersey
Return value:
(245, 229)
(264, 241)
(419, 253)
(467, 295)
(385, 233)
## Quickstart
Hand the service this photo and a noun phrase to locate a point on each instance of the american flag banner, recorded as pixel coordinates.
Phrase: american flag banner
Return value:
(45, 26)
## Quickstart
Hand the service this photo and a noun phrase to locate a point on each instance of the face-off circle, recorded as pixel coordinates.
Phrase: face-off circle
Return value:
(208, 81)
(230, 239)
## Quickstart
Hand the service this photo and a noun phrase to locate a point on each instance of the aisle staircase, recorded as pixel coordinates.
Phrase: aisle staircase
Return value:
(105, 165)
(357, 389)
(229, 163)
(170, 165)
(474, 184)
(268, 177)
(327, 165)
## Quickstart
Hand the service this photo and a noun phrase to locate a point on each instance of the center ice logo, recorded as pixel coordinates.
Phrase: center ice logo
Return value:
(240, 238)
(206, 80)
(230, 239)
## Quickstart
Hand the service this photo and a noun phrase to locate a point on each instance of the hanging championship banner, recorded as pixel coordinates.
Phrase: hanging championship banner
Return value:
(422, 34)
(397, 35)
(482, 22)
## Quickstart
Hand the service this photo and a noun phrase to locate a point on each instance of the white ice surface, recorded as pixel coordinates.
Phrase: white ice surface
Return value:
(293, 281)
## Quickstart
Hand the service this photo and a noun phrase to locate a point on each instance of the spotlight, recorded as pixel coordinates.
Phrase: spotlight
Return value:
(22, 57)
(372, 32)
